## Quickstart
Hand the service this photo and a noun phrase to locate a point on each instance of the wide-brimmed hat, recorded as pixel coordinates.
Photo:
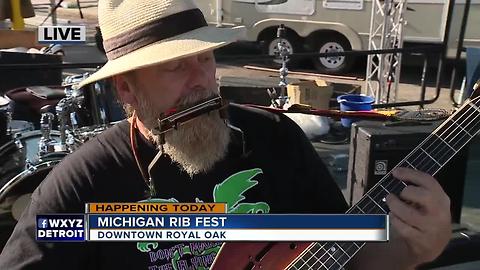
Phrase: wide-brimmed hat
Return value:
(141, 33)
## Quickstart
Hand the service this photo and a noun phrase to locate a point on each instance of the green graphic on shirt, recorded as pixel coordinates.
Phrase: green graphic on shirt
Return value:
(230, 191)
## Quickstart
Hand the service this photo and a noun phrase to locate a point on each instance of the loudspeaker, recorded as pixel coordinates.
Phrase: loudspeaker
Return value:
(376, 147)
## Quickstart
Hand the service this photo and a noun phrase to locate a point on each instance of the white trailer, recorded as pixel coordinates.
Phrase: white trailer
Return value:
(335, 25)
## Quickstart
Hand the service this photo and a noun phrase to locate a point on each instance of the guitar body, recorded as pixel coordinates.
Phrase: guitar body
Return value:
(258, 255)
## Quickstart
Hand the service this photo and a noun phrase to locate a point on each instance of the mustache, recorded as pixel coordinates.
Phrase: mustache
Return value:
(195, 97)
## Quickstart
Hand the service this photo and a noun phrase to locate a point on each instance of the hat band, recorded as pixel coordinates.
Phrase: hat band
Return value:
(167, 27)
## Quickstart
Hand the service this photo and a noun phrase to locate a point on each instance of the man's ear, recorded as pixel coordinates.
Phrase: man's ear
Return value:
(125, 89)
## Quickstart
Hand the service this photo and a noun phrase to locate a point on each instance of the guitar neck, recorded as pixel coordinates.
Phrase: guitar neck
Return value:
(430, 156)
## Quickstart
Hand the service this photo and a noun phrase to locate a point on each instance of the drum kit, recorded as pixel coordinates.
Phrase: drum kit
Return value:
(28, 155)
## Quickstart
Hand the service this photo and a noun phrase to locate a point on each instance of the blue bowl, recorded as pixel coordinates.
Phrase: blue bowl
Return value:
(352, 102)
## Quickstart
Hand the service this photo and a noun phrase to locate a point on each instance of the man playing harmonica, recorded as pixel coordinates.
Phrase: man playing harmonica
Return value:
(160, 56)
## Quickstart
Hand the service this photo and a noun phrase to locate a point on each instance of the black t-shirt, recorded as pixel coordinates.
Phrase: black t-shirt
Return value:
(279, 172)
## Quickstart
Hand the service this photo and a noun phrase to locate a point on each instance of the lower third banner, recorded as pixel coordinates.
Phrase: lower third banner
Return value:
(237, 227)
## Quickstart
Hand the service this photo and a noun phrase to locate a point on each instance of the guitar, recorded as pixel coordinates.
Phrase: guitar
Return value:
(430, 156)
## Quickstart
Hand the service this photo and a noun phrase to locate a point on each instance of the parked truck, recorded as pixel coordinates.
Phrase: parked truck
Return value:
(335, 25)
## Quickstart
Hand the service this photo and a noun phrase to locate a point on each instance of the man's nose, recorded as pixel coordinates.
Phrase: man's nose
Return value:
(197, 75)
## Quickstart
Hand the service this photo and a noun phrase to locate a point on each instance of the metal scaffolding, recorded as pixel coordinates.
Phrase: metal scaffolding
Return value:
(386, 32)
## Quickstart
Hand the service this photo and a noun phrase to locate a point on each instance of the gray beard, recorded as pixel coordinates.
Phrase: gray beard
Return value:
(194, 146)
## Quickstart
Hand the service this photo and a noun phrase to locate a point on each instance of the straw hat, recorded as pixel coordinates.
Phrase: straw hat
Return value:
(141, 33)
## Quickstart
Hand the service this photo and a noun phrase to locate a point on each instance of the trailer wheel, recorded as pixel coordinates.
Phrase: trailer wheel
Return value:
(331, 42)
(270, 47)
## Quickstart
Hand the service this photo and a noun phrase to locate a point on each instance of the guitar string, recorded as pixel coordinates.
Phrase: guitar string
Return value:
(468, 134)
(460, 115)
(318, 259)
(339, 244)
(441, 146)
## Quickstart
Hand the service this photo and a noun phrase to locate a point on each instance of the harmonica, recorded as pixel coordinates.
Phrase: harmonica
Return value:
(174, 118)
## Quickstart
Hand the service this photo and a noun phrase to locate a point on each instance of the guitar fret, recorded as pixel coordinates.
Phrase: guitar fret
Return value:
(474, 106)
(343, 250)
(313, 257)
(379, 195)
(342, 259)
(293, 267)
(355, 243)
(384, 188)
(325, 252)
(410, 164)
(388, 180)
(390, 185)
(336, 251)
(379, 190)
(349, 248)
(333, 263)
(335, 256)
(304, 264)
(434, 160)
(440, 149)
(472, 124)
(468, 133)
(449, 146)
(375, 202)
(363, 204)
(315, 248)
(359, 209)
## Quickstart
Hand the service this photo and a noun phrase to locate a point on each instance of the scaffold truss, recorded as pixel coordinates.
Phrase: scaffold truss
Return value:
(386, 32)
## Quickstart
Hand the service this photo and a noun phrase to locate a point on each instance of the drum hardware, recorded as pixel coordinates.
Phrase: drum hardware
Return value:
(31, 142)
(84, 112)
(60, 110)
(18, 127)
(66, 112)
(73, 80)
(278, 101)
(3, 119)
(72, 103)
(98, 108)
(6, 118)
(67, 117)
(46, 144)
(8, 126)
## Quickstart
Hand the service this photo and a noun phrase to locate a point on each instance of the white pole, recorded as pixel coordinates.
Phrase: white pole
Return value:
(219, 13)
